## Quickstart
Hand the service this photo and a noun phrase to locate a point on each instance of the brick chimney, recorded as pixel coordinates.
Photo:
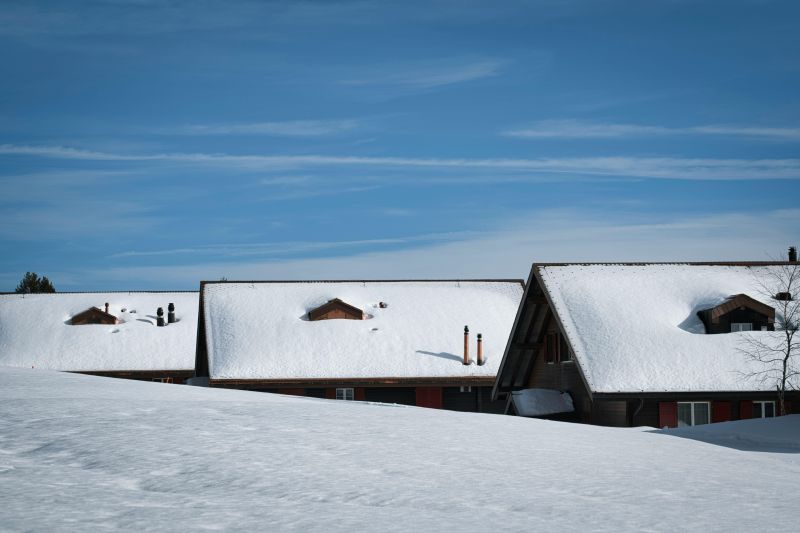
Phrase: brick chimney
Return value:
(481, 360)
(160, 320)
(171, 313)
(792, 254)
(466, 345)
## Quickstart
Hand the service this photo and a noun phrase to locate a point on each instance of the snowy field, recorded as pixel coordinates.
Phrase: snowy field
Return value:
(83, 453)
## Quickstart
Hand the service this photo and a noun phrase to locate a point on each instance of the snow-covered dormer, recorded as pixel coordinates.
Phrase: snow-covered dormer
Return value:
(738, 313)
(334, 309)
(93, 315)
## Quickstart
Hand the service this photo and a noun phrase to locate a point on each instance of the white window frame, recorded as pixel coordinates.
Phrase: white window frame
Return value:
(345, 393)
(691, 409)
(740, 326)
(763, 404)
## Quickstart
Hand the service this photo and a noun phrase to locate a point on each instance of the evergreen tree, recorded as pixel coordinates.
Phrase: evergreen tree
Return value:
(31, 283)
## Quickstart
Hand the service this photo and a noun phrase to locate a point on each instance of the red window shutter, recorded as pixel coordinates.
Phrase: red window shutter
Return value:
(429, 397)
(330, 394)
(745, 409)
(720, 411)
(668, 414)
(360, 395)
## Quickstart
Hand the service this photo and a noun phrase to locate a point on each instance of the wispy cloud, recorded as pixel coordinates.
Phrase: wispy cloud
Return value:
(577, 129)
(294, 247)
(555, 235)
(622, 166)
(291, 128)
(429, 74)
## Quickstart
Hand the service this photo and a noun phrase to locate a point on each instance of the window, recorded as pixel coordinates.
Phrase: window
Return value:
(465, 388)
(693, 413)
(162, 380)
(741, 326)
(345, 394)
(763, 409)
(550, 348)
(564, 354)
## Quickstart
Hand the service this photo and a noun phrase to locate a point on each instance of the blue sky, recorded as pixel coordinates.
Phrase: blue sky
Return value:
(153, 144)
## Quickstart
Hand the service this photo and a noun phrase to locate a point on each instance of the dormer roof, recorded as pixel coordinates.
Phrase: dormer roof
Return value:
(93, 315)
(736, 302)
(334, 309)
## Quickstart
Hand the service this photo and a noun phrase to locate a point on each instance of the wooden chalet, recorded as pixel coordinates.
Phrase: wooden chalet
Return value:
(643, 344)
(382, 341)
(70, 332)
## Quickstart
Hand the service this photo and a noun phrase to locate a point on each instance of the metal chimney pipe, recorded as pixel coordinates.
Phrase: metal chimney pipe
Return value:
(160, 320)
(481, 360)
(106, 307)
(792, 254)
(171, 313)
(466, 345)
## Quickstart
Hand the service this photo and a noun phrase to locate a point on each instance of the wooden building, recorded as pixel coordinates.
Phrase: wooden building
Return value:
(382, 341)
(114, 334)
(644, 344)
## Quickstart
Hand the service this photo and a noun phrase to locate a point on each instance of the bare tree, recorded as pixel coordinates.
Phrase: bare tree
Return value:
(778, 354)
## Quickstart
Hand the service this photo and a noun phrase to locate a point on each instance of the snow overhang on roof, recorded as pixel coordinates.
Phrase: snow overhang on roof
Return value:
(634, 328)
(541, 402)
(36, 331)
(260, 330)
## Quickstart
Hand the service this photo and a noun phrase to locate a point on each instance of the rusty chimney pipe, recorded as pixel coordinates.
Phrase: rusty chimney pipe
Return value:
(466, 345)
(481, 360)
(106, 307)
(160, 320)
(171, 313)
(792, 254)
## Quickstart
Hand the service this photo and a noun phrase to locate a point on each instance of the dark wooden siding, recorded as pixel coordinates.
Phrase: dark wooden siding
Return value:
(454, 399)
(401, 395)
(562, 376)
(609, 413)
(646, 416)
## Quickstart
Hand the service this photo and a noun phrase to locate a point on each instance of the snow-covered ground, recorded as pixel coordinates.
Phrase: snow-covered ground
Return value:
(84, 453)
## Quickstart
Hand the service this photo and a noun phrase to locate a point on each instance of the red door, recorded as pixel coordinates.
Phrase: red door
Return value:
(429, 397)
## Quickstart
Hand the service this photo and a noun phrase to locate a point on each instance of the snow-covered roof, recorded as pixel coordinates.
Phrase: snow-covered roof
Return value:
(634, 328)
(35, 332)
(261, 330)
(541, 402)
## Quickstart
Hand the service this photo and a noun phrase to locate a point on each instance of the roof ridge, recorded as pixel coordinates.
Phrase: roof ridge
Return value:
(685, 263)
(475, 280)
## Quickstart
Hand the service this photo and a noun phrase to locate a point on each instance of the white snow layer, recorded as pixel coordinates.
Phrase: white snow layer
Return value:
(261, 331)
(35, 332)
(635, 327)
(82, 453)
(541, 402)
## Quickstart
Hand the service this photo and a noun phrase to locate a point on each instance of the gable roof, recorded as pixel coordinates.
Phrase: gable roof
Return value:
(35, 331)
(260, 330)
(634, 327)
(330, 305)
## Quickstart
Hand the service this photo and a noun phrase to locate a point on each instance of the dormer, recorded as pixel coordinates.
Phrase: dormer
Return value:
(93, 315)
(738, 313)
(334, 309)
